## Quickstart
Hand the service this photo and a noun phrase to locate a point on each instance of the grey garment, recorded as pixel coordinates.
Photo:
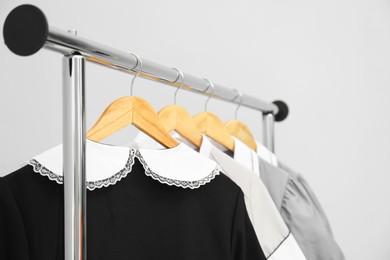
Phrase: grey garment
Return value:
(301, 212)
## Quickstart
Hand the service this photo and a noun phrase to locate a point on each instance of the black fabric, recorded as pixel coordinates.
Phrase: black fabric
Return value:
(138, 218)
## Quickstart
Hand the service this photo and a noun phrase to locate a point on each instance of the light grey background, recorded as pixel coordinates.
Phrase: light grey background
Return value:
(330, 60)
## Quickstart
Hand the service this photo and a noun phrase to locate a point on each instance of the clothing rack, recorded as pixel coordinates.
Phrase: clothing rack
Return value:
(26, 31)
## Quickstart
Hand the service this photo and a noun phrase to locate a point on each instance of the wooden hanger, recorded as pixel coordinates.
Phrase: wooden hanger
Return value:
(176, 118)
(131, 110)
(240, 130)
(210, 125)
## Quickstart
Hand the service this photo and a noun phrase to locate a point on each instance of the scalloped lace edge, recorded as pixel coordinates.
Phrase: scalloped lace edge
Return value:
(91, 185)
(178, 183)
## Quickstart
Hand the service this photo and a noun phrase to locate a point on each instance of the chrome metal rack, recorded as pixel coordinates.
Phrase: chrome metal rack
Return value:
(26, 31)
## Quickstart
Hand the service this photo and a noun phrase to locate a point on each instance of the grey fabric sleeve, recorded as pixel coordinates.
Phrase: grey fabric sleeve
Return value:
(307, 221)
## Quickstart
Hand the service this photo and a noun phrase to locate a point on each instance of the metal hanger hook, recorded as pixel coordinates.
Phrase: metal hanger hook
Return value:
(180, 76)
(239, 94)
(139, 61)
(209, 84)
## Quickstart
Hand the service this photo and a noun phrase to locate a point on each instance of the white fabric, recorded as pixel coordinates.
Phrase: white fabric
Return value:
(142, 140)
(103, 161)
(246, 156)
(266, 154)
(256, 163)
(178, 163)
(288, 250)
(274, 237)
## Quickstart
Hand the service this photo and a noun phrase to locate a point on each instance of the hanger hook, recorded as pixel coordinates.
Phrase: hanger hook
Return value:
(180, 75)
(239, 94)
(139, 61)
(209, 84)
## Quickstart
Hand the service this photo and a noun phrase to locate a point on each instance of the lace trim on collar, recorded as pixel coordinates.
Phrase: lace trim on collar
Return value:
(91, 185)
(178, 183)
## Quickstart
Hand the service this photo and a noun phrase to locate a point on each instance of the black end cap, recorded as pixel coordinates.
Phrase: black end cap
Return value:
(25, 30)
(283, 110)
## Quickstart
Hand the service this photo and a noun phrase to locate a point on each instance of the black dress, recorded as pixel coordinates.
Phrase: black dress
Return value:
(137, 218)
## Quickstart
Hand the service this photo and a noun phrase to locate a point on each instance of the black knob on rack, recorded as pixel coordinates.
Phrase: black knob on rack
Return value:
(282, 112)
(25, 30)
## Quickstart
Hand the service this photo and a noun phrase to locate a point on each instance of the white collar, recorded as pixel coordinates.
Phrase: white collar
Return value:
(242, 154)
(266, 154)
(144, 141)
(106, 164)
(246, 156)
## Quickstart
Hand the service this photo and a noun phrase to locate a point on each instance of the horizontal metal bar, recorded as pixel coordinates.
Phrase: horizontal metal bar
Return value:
(27, 30)
(66, 43)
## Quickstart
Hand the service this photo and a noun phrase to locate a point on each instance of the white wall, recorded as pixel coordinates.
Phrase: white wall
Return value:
(330, 60)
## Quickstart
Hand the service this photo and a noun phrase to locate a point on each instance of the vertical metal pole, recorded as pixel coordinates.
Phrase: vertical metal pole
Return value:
(73, 68)
(269, 131)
